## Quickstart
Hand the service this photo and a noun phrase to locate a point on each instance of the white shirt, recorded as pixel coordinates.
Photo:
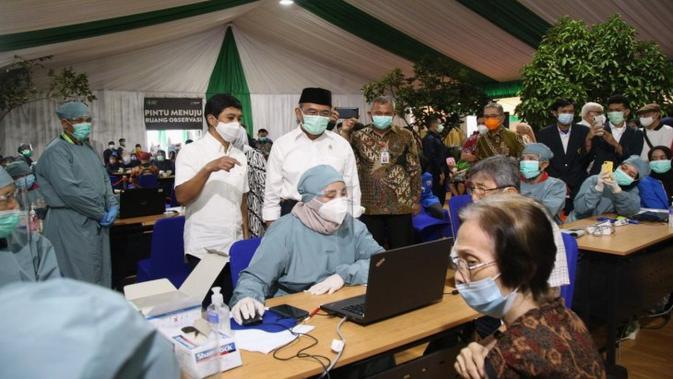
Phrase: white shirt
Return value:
(617, 132)
(565, 137)
(213, 219)
(294, 153)
(559, 274)
(661, 137)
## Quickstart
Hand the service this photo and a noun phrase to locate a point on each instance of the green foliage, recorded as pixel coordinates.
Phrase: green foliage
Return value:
(432, 92)
(17, 86)
(585, 64)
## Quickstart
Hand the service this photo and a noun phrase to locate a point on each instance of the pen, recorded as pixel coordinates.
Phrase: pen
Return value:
(312, 313)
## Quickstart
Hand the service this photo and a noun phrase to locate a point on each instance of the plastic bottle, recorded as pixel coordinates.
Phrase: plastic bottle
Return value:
(217, 313)
(670, 215)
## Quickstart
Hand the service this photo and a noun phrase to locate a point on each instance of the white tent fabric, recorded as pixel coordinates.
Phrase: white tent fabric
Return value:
(455, 31)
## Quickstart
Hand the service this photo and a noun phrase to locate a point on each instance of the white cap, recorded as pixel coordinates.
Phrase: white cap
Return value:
(217, 297)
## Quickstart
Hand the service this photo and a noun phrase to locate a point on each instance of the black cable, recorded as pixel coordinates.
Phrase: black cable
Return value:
(301, 353)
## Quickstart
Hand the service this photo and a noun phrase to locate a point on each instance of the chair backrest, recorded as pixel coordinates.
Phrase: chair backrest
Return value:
(240, 254)
(456, 203)
(571, 254)
(148, 181)
(428, 228)
(168, 248)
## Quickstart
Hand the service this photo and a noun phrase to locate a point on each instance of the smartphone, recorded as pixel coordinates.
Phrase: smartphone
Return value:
(288, 311)
(606, 167)
(345, 113)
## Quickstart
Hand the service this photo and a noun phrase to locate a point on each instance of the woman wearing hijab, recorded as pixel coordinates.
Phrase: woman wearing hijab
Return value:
(660, 164)
(317, 247)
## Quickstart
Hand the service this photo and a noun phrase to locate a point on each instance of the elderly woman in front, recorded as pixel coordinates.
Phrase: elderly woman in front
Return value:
(504, 254)
(317, 247)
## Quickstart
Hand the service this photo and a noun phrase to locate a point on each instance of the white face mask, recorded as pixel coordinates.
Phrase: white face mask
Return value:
(228, 131)
(646, 121)
(334, 210)
(482, 129)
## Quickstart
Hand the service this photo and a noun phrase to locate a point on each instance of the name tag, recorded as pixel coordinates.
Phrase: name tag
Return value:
(385, 157)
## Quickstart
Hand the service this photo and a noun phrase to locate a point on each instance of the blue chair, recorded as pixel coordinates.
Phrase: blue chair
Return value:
(571, 253)
(456, 203)
(240, 254)
(167, 254)
(148, 181)
(428, 228)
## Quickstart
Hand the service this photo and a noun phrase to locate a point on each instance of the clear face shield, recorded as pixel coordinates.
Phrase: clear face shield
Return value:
(14, 217)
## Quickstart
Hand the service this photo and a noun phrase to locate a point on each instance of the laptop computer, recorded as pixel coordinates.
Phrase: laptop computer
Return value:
(400, 280)
(140, 202)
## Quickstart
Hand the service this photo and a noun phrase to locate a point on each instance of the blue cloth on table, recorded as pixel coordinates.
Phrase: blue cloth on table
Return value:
(272, 322)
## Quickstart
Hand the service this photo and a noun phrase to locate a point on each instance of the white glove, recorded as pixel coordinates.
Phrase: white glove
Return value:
(330, 285)
(245, 308)
(611, 183)
(600, 184)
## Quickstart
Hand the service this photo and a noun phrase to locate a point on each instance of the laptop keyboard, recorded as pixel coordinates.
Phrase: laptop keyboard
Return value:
(356, 308)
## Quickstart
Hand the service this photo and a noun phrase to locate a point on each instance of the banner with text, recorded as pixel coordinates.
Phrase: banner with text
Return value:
(173, 113)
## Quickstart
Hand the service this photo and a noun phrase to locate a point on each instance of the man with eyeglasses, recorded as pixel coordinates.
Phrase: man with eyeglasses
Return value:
(500, 174)
(81, 205)
(498, 139)
(308, 145)
(24, 257)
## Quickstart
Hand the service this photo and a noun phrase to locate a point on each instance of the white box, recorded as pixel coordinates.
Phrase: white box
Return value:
(166, 306)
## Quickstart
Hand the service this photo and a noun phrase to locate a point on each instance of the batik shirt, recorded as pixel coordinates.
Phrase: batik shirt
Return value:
(502, 141)
(389, 170)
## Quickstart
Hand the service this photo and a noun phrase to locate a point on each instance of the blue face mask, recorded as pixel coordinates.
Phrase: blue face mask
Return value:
(81, 130)
(315, 125)
(26, 182)
(565, 118)
(382, 122)
(660, 166)
(622, 178)
(484, 297)
(8, 222)
(529, 169)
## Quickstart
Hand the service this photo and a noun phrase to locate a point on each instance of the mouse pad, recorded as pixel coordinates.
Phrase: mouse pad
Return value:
(272, 322)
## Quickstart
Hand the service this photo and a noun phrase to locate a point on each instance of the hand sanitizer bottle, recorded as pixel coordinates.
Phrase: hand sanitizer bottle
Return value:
(217, 313)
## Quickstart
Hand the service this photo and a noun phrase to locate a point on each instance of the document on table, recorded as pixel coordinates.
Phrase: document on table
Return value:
(265, 342)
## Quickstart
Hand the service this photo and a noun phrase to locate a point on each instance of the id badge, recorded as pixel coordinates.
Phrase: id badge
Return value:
(385, 157)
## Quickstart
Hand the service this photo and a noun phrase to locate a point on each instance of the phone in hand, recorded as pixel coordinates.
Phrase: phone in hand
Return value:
(606, 167)
(346, 113)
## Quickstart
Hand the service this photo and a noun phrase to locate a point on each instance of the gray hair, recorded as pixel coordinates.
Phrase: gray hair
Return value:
(384, 100)
(588, 107)
(494, 105)
(504, 171)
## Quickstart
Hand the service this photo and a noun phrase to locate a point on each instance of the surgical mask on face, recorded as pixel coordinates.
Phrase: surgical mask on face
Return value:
(529, 169)
(8, 222)
(160, 158)
(622, 178)
(262, 139)
(646, 121)
(110, 146)
(26, 182)
(492, 123)
(134, 158)
(599, 119)
(440, 128)
(616, 118)
(334, 210)
(81, 130)
(315, 124)
(382, 122)
(228, 131)
(565, 118)
(660, 166)
(484, 296)
(482, 129)
(27, 153)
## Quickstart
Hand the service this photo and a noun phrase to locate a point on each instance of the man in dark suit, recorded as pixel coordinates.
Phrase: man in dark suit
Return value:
(616, 141)
(571, 145)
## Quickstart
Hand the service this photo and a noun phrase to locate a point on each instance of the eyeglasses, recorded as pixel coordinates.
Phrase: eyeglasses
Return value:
(481, 190)
(466, 270)
(315, 112)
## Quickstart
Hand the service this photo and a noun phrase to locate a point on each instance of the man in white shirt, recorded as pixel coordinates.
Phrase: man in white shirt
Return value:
(308, 145)
(654, 132)
(211, 181)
